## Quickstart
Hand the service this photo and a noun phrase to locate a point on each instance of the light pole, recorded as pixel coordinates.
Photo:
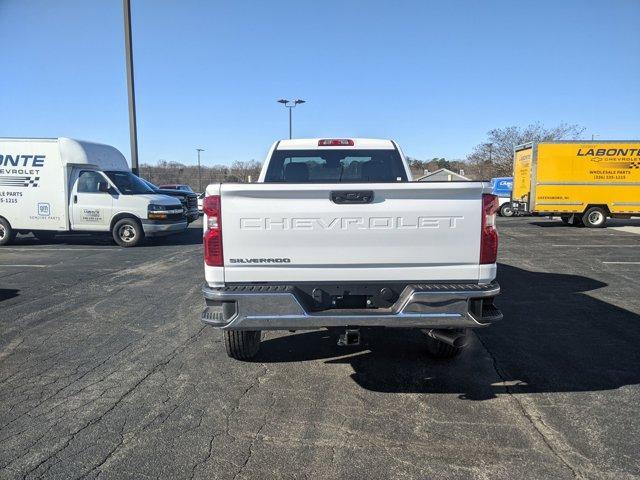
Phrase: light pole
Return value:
(128, 49)
(290, 104)
(199, 171)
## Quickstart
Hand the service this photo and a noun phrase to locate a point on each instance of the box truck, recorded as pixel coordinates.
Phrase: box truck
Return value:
(583, 182)
(56, 185)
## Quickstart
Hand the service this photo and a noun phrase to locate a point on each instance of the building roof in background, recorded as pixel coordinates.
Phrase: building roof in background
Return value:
(442, 174)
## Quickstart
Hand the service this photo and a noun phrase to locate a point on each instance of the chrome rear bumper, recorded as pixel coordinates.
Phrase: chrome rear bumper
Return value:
(266, 307)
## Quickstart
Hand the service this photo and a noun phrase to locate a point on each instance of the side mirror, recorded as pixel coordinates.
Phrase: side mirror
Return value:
(103, 187)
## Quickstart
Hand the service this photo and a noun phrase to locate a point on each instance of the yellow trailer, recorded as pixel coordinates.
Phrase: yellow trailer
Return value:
(584, 182)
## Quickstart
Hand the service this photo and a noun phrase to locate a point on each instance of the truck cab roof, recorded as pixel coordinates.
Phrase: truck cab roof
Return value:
(103, 156)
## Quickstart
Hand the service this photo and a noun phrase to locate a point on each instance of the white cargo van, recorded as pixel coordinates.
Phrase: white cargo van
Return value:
(55, 185)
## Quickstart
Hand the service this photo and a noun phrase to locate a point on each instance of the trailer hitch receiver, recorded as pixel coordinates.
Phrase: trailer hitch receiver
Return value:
(350, 338)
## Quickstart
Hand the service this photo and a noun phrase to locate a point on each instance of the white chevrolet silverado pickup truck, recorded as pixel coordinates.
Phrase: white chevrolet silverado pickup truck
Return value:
(335, 234)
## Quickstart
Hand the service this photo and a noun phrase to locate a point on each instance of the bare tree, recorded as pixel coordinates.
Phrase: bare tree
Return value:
(168, 172)
(245, 171)
(494, 157)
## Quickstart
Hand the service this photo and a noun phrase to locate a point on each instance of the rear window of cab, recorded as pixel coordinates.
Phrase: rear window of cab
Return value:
(335, 166)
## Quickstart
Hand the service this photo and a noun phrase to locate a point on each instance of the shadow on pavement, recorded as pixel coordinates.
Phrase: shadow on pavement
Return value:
(611, 222)
(8, 293)
(554, 338)
(191, 236)
(553, 224)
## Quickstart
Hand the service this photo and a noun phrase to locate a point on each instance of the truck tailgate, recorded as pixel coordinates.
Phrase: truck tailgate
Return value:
(417, 231)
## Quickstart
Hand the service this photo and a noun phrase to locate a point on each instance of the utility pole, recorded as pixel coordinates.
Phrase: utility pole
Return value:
(290, 104)
(490, 145)
(199, 171)
(128, 48)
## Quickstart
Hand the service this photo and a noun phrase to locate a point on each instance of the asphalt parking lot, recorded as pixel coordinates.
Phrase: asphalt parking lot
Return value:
(106, 371)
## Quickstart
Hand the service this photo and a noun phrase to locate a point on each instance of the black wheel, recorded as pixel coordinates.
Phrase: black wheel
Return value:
(594, 217)
(127, 232)
(44, 235)
(565, 219)
(506, 210)
(441, 350)
(7, 234)
(242, 344)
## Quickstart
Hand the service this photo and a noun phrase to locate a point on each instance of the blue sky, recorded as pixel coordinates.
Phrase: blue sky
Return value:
(436, 76)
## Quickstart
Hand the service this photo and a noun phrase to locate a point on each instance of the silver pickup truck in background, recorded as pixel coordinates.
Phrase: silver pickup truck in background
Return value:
(335, 234)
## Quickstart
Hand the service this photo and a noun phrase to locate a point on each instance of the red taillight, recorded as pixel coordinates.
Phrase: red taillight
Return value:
(213, 248)
(335, 142)
(489, 234)
(211, 206)
(213, 235)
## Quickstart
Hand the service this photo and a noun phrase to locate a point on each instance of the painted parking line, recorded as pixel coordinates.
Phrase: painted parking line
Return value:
(622, 263)
(22, 266)
(47, 249)
(596, 246)
(628, 229)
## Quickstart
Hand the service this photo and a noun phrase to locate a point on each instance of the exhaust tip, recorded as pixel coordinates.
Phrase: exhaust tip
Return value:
(455, 339)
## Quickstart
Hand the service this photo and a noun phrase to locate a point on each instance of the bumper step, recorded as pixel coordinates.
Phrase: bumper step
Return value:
(490, 313)
(213, 315)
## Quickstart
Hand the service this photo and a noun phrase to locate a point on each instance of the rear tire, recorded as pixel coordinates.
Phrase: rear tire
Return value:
(506, 210)
(594, 217)
(242, 344)
(441, 350)
(127, 232)
(7, 234)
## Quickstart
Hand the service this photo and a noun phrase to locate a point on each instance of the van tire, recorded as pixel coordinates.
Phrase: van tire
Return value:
(441, 350)
(242, 344)
(506, 210)
(127, 232)
(594, 217)
(7, 234)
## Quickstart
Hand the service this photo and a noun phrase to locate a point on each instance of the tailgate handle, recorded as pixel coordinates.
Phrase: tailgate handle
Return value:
(350, 197)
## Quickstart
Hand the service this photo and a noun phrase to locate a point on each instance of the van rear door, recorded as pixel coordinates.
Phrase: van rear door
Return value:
(522, 171)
